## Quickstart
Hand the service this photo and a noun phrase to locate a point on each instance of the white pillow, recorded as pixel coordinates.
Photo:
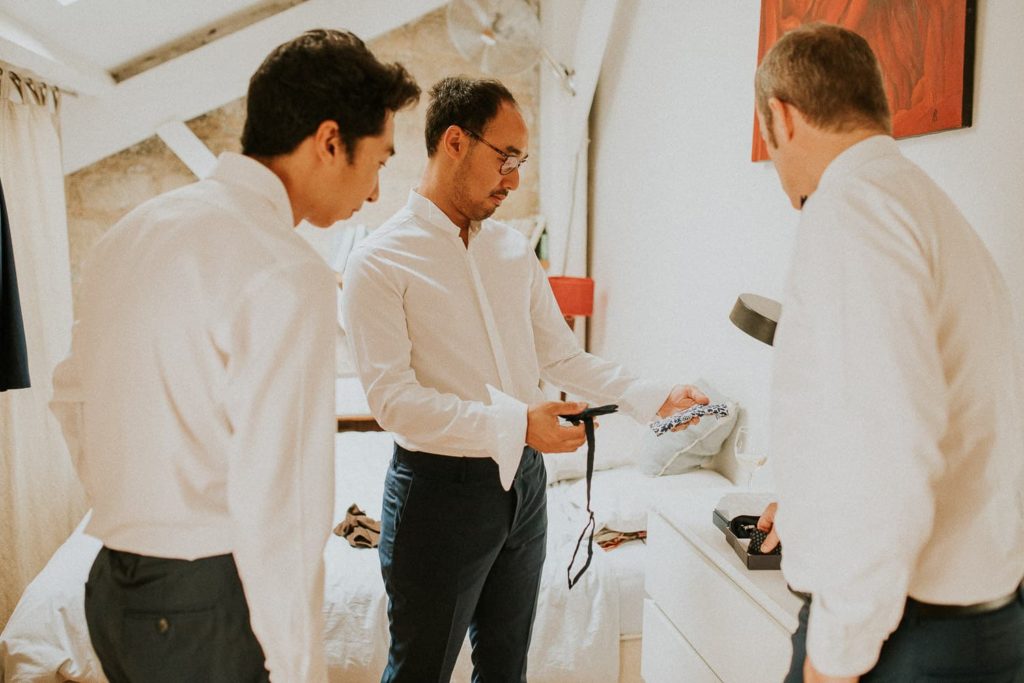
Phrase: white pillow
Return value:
(678, 452)
(618, 442)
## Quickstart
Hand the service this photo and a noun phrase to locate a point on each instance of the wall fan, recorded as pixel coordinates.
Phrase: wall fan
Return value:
(502, 37)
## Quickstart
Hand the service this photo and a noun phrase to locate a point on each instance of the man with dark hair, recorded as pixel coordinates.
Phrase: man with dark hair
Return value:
(198, 398)
(897, 398)
(453, 325)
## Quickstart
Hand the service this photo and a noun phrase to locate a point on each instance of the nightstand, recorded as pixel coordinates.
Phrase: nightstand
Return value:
(706, 617)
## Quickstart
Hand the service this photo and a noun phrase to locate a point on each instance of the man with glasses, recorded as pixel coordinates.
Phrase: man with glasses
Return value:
(453, 325)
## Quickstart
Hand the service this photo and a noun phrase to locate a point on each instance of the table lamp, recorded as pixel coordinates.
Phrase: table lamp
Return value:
(575, 297)
(757, 316)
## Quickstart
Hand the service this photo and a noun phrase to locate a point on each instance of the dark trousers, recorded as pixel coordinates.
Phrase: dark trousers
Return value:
(459, 552)
(983, 648)
(153, 619)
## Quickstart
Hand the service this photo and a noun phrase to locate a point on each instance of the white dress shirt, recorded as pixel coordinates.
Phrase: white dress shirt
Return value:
(198, 398)
(897, 409)
(451, 342)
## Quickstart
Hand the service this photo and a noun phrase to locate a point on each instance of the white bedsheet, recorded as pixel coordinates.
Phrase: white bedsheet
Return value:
(46, 638)
(621, 499)
(576, 633)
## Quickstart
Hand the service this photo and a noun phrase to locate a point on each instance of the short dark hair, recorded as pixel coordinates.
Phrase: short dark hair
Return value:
(827, 72)
(323, 75)
(469, 103)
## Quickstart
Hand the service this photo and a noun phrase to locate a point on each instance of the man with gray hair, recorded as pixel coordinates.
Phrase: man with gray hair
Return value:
(897, 397)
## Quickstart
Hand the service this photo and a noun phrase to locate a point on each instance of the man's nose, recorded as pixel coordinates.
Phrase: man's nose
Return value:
(511, 181)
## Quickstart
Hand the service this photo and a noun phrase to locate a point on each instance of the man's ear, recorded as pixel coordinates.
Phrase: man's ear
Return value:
(327, 140)
(783, 123)
(454, 142)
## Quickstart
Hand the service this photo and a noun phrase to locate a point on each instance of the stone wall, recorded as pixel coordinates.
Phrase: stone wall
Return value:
(100, 194)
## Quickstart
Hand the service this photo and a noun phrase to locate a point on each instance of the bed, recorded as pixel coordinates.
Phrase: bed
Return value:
(587, 635)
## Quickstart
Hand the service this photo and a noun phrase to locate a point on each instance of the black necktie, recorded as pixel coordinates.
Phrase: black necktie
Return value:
(588, 424)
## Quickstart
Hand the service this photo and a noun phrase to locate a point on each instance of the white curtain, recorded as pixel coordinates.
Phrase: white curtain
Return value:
(40, 497)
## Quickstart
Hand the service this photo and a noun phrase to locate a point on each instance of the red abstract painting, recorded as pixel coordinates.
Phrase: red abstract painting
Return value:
(925, 47)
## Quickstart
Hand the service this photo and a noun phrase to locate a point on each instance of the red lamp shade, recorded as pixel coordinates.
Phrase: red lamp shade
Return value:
(575, 295)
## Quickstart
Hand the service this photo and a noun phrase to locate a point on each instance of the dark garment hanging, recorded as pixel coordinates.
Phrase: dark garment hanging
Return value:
(13, 352)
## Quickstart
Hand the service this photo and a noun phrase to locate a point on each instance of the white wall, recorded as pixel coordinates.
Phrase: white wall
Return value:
(567, 244)
(682, 221)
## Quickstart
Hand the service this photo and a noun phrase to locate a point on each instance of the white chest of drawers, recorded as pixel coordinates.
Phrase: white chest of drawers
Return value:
(706, 617)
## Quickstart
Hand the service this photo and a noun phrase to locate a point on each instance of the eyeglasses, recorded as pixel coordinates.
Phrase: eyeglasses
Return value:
(509, 162)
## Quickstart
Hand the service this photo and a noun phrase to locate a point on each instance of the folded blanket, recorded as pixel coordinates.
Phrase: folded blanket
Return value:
(359, 530)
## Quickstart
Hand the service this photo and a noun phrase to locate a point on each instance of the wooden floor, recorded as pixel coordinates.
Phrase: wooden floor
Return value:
(629, 660)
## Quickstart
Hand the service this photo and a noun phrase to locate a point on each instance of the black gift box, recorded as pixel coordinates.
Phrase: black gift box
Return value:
(720, 520)
(750, 561)
(741, 504)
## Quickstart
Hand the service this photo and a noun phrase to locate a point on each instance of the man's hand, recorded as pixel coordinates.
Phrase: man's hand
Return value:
(766, 523)
(546, 434)
(811, 675)
(681, 397)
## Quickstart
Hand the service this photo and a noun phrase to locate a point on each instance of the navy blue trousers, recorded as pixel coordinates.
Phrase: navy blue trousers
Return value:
(983, 648)
(158, 620)
(460, 553)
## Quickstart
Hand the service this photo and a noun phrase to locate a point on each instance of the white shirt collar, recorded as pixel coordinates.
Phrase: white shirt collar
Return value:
(854, 156)
(249, 175)
(429, 211)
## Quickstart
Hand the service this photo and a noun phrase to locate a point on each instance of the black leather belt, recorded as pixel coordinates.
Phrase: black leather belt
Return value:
(930, 611)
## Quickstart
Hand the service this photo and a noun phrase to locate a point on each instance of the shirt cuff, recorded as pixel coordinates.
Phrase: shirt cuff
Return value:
(644, 398)
(511, 434)
(837, 647)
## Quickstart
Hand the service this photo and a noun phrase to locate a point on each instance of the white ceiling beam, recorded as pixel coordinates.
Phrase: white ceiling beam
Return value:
(210, 76)
(23, 49)
(192, 151)
(200, 37)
